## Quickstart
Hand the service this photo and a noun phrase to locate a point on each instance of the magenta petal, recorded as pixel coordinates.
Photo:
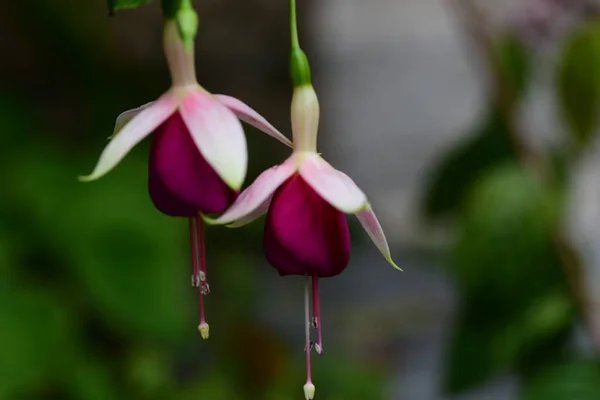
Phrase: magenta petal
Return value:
(179, 177)
(165, 201)
(304, 234)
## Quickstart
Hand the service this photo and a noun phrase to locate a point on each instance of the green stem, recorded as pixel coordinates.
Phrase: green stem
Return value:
(299, 67)
(172, 7)
(294, 25)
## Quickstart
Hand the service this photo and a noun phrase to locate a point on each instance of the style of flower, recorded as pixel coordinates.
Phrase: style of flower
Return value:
(306, 199)
(198, 156)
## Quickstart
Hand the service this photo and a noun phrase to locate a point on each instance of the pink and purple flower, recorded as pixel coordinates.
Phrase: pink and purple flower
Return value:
(198, 156)
(306, 199)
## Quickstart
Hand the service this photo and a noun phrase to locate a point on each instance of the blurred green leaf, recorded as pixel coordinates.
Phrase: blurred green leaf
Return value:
(456, 173)
(132, 261)
(515, 306)
(579, 81)
(150, 373)
(214, 385)
(339, 379)
(508, 228)
(515, 62)
(89, 381)
(335, 378)
(482, 348)
(34, 335)
(575, 380)
(116, 5)
(454, 176)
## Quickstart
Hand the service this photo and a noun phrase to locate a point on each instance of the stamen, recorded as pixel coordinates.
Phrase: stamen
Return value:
(316, 306)
(195, 282)
(309, 388)
(199, 271)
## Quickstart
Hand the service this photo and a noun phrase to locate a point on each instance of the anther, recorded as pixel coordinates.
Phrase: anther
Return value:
(318, 349)
(204, 330)
(309, 391)
(204, 288)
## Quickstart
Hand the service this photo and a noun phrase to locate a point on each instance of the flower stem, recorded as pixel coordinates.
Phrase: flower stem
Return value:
(299, 66)
(294, 25)
(170, 8)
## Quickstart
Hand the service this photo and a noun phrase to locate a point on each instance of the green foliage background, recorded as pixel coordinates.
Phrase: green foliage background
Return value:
(521, 282)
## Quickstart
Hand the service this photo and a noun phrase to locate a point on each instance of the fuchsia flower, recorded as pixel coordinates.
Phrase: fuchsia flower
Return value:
(198, 155)
(306, 199)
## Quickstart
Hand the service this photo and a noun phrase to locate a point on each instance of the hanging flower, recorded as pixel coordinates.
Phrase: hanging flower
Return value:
(306, 199)
(198, 156)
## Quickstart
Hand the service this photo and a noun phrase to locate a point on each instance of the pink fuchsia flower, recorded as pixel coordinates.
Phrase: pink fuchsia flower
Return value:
(198, 156)
(306, 199)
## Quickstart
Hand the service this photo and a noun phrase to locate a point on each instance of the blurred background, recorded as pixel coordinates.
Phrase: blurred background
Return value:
(471, 124)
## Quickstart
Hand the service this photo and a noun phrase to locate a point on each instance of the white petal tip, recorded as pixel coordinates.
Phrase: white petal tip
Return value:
(88, 178)
(309, 391)
(236, 224)
(209, 220)
(217, 221)
(355, 210)
(235, 183)
(393, 264)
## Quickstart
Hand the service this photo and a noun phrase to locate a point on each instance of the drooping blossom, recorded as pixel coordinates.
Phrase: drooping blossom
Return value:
(306, 199)
(198, 155)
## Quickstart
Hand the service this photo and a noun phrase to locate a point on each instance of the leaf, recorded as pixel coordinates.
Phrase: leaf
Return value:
(515, 62)
(482, 348)
(132, 261)
(91, 381)
(35, 336)
(578, 82)
(215, 384)
(577, 380)
(346, 379)
(335, 378)
(117, 5)
(516, 310)
(488, 146)
(507, 228)
(459, 169)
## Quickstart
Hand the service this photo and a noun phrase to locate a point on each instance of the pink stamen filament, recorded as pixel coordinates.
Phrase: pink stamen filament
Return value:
(203, 288)
(307, 329)
(198, 261)
(316, 305)
(193, 248)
